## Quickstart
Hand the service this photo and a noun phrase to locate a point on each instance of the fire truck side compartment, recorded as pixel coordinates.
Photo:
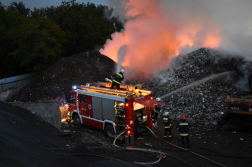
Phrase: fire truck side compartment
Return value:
(108, 109)
(97, 108)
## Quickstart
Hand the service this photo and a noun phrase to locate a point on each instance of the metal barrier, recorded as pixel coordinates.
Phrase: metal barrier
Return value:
(16, 81)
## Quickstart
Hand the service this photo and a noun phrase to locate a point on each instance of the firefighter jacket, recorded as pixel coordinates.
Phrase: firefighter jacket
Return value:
(157, 109)
(183, 127)
(118, 77)
(167, 122)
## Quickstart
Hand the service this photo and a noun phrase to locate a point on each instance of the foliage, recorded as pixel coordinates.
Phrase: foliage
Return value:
(32, 40)
(86, 25)
(20, 8)
(27, 44)
(39, 43)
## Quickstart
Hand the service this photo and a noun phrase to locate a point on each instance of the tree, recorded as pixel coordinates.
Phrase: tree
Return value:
(27, 44)
(8, 20)
(39, 44)
(20, 8)
(85, 25)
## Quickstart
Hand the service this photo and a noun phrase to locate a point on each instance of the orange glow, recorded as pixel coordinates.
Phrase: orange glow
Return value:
(151, 98)
(127, 104)
(153, 124)
(155, 36)
(128, 132)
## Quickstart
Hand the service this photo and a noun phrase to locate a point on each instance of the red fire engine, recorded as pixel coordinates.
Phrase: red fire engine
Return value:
(111, 110)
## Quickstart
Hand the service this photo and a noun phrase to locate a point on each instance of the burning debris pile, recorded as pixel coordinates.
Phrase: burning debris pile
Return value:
(56, 82)
(185, 89)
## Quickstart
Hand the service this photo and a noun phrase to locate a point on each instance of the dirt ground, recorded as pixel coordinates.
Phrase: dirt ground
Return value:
(26, 140)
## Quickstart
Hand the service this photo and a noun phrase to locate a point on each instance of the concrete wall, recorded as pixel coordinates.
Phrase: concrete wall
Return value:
(5, 95)
(47, 111)
(16, 81)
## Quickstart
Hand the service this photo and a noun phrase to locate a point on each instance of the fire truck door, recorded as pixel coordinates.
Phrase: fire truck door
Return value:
(83, 105)
(89, 106)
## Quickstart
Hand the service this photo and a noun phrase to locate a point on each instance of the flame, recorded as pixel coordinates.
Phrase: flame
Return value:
(153, 37)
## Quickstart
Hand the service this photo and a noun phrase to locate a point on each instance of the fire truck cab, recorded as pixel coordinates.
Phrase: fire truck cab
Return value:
(113, 111)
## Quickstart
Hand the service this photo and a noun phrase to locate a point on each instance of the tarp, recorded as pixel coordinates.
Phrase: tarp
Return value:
(148, 102)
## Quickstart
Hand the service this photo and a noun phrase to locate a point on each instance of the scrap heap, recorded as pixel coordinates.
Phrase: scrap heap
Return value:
(205, 102)
(56, 82)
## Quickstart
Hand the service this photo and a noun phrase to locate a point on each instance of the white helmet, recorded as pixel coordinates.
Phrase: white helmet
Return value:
(166, 113)
(122, 70)
(158, 99)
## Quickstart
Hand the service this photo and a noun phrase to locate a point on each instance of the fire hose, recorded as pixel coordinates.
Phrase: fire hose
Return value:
(161, 156)
(78, 154)
(186, 149)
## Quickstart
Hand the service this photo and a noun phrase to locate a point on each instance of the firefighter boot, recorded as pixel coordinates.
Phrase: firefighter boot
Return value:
(164, 137)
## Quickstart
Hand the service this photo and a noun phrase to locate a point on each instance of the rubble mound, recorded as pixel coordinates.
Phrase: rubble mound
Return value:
(180, 86)
(56, 82)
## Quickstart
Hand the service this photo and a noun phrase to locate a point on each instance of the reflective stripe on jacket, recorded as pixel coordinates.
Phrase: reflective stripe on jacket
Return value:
(167, 122)
(116, 81)
(168, 126)
(183, 127)
(117, 78)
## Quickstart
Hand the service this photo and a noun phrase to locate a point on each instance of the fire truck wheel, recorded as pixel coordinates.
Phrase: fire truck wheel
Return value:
(109, 130)
(77, 121)
(235, 123)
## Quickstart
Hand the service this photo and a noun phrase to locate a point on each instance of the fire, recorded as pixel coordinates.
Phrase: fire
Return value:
(157, 31)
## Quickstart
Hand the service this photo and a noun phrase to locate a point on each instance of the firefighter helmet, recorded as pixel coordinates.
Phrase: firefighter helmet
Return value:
(183, 117)
(158, 99)
(122, 70)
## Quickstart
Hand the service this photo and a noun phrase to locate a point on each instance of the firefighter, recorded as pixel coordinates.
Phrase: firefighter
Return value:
(167, 125)
(155, 113)
(117, 79)
(183, 127)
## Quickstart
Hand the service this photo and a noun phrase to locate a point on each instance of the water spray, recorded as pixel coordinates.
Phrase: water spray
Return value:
(211, 77)
(121, 54)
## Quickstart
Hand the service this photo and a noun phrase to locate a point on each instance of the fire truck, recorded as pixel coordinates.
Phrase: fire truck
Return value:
(111, 110)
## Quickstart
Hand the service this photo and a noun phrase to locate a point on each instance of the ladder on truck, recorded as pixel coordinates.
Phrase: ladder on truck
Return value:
(115, 92)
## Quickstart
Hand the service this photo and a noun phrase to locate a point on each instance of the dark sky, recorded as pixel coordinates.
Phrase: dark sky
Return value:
(43, 3)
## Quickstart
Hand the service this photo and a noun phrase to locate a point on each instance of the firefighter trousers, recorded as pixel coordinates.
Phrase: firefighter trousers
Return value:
(115, 85)
(170, 132)
(183, 138)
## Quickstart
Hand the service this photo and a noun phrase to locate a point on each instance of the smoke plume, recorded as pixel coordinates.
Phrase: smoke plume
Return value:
(158, 30)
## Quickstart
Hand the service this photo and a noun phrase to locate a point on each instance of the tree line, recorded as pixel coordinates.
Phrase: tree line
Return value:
(32, 40)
